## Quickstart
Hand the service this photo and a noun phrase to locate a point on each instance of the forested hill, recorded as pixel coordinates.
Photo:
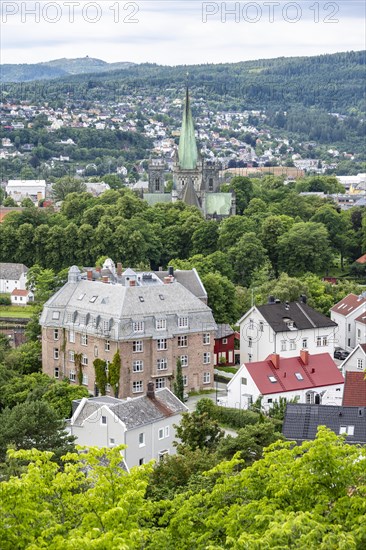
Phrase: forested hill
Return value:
(55, 69)
(334, 83)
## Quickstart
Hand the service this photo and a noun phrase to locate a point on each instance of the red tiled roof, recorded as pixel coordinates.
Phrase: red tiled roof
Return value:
(354, 390)
(321, 370)
(348, 304)
(19, 292)
(361, 259)
(361, 318)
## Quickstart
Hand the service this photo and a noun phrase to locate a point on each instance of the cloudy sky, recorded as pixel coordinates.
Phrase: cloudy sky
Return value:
(176, 32)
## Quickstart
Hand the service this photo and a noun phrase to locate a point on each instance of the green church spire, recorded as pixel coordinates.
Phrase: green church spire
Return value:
(187, 151)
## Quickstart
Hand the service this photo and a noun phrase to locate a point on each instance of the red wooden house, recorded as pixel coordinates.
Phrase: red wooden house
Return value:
(226, 345)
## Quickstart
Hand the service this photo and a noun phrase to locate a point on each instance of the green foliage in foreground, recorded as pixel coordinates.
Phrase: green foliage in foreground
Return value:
(312, 496)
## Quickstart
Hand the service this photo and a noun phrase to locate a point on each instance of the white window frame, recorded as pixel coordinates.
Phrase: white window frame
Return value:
(183, 322)
(160, 324)
(84, 339)
(183, 339)
(292, 344)
(162, 364)
(304, 343)
(71, 356)
(360, 364)
(161, 433)
(137, 346)
(56, 334)
(283, 345)
(184, 360)
(85, 380)
(206, 377)
(84, 360)
(103, 420)
(55, 315)
(137, 386)
(138, 326)
(160, 383)
(72, 337)
(56, 372)
(206, 337)
(56, 353)
(162, 344)
(142, 439)
(72, 376)
(250, 342)
(185, 380)
(206, 358)
(107, 345)
(138, 365)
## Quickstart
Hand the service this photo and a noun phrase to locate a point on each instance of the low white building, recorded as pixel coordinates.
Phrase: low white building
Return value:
(145, 424)
(21, 189)
(12, 276)
(306, 378)
(284, 328)
(21, 297)
(349, 315)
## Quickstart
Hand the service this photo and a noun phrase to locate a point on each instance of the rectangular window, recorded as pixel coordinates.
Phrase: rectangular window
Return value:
(349, 430)
(162, 364)
(206, 358)
(269, 400)
(182, 341)
(360, 364)
(137, 346)
(251, 324)
(183, 322)
(206, 377)
(224, 340)
(84, 360)
(70, 317)
(95, 351)
(56, 354)
(106, 326)
(162, 344)
(304, 343)
(107, 345)
(318, 341)
(349, 327)
(160, 324)
(104, 420)
(261, 326)
(55, 334)
(72, 337)
(185, 380)
(244, 381)
(141, 439)
(85, 379)
(141, 461)
(138, 326)
(250, 342)
(84, 339)
(166, 431)
(160, 383)
(283, 345)
(137, 387)
(358, 333)
(250, 357)
(325, 341)
(184, 360)
(72, 376)
(137, 366)
(72, 356)
(112, 441)
(162, 454)
(161, 433)
(292, 344)
(57, 372)
(349, 342)
(206, 338)
(55, 315)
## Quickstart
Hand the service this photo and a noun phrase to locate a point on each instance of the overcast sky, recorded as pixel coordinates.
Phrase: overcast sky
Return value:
(175, 32)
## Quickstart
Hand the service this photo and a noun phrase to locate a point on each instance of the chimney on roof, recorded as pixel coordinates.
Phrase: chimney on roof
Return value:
(271, 299)
(105, 279)
(284, 375)
(89, 274)
(275, 358)
(171, 271)
(98, 269)
(303, 298)
(304, 354)
(119, 269)
(287, 305)
(132, 282)
(150, 390)
(312, 370)
(168, 280)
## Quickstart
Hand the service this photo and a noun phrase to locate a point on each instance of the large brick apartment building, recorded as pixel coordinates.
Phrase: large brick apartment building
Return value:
(152, 318)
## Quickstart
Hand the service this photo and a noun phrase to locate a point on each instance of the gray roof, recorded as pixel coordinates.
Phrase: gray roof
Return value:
(303, 316)
(301, 421)
(110, 309)
(135, 412)
(223, 331)
(218, 203)
(189, 279)
(12, 271)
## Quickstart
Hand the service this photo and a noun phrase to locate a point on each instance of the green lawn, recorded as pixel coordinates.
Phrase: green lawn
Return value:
(20, 312)
(233, 370)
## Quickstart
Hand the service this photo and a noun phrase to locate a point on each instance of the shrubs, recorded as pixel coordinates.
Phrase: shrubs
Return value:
(5, 300)
(233, 418)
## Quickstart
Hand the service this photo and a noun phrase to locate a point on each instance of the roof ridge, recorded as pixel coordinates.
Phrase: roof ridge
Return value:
(274, 370)
(306, 315)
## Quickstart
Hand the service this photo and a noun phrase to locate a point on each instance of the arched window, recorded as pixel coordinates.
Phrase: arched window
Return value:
(210, 184)
(157, 184)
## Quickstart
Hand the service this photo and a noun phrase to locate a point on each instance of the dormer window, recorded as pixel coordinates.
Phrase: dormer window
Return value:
(160, 324)
(55, 315)
(272, 379)
(289, 323)
(81, 296)
(93, 299)
(183, 322)
(299, 376)
(138, 326)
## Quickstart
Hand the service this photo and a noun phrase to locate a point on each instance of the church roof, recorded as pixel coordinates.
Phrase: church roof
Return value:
(189, 195)
(187, 152)
(218, 203)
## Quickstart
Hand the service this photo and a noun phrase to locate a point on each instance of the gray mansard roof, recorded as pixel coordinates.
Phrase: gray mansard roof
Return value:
(135, 412)
(110, 310)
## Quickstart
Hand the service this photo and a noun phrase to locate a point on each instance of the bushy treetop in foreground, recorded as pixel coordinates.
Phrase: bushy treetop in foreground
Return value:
(308, 496)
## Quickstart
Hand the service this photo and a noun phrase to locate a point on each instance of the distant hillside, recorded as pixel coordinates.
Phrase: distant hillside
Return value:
(57, 68)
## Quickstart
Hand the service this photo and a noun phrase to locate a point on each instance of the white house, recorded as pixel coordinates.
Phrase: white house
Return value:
(12, 276)
(306, 378)
(20, 189)
(145, 424)
(21, 297)
(345, 313)
(284, 328)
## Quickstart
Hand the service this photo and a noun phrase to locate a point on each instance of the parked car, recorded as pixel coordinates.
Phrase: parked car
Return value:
(340, 353)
